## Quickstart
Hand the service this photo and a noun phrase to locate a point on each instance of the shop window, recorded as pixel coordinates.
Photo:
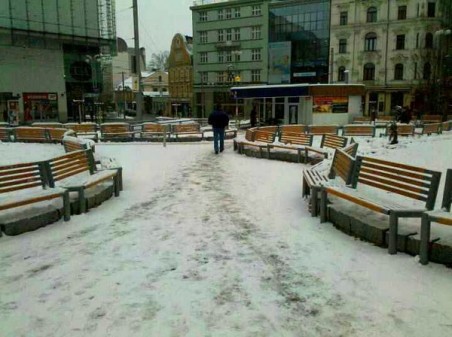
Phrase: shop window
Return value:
(369, 72)
(398, 71)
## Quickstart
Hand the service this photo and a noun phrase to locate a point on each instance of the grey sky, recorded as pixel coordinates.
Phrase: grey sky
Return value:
(159, 20)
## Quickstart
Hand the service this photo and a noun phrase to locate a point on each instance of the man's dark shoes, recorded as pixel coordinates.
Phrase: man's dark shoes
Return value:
(221, 150)
(216, 152)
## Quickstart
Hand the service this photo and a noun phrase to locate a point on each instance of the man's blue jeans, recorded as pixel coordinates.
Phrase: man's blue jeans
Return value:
(218, 137)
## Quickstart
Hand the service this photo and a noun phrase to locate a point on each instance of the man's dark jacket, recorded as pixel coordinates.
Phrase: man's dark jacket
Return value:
(218, 119)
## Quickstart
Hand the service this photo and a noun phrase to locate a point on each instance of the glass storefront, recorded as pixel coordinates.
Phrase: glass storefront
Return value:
(305, 29)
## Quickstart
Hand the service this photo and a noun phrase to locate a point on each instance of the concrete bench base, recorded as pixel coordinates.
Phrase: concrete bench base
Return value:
(94, 197)
(372, 227)
(42, 218)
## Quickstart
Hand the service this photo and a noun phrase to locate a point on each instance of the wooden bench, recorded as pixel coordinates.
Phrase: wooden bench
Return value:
(401, 181)
(261, 140)
(442, 216)
(446, 126)
(358, 130)
(56, 135)
(30, 134)
(341, 166)
(298, 128)
(323, 129)
(428, 129)
(402, 130)
(330, 141)
(384, 119)
(116, 132)
(292, 141)
(192, 129)
(154, 131)
(5, 134)
(425, 119)
(72, 144)
(84, 130)
(25, 184)
(48, 125)
(75, 171)
(361, 120)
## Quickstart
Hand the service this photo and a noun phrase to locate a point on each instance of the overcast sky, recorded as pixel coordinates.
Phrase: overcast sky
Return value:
(159, 20)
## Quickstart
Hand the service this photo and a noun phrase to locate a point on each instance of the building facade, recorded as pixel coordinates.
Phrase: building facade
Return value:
(230, 47)
(53, 54)
(390, 46)
(180, 70)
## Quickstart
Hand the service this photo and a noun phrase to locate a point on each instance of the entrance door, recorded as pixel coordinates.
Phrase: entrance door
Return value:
(293, 113)
(396, 99)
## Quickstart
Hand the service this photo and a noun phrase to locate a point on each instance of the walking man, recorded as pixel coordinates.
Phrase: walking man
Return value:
(219, 120)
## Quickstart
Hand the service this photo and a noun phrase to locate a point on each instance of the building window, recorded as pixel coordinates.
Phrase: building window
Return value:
(203, 57)
(228, 13)
(341, 74)
(343, 18)
(256, 10)
(220, 35)
(237, 54)
(228, 56)
(221, 57)
(398, 71)
(255, 54)
(401, 13)
(400, 42)
(369, 72)
(370, 43)
(372, 14)
(202, 37)
(202, 16)
(220, 14)
(237, 34)
(229, 34)
(220, 77)
(342, 46)
(203, 75)
(431, 8)
(427, 71)
(255, 32)
(255, 75)
(237, 12)
(429, 40)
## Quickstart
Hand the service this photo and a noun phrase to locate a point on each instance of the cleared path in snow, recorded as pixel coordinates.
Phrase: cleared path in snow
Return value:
(205, 245)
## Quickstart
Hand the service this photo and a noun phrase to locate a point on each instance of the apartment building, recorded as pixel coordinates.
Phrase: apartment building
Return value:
(230, 47)
(390, 46)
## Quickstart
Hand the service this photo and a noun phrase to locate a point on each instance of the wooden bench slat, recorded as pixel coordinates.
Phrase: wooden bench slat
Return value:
(358, 201)
(19, 187)
(394, 176)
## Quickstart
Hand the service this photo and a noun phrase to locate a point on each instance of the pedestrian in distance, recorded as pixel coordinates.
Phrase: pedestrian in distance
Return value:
(253, 117)
(219, 121)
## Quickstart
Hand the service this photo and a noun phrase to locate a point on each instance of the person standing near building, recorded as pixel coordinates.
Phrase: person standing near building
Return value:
(219, 121)
(253, 117)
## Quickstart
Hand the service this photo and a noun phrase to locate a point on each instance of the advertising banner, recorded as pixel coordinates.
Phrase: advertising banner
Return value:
(40, 106)
(279, 62)
(330, 104)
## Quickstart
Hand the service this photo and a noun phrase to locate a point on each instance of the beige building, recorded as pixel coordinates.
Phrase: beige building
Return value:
(390, 46)
(180, 71)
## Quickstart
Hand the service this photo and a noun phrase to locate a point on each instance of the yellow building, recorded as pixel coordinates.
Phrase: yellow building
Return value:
(180, 70)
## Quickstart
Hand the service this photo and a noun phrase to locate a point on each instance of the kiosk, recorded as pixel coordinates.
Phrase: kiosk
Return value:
(304, 103)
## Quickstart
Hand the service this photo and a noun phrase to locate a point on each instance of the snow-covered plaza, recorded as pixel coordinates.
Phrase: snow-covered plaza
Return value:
(200, 244)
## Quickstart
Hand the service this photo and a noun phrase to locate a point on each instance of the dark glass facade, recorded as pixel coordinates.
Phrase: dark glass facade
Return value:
(305, 26)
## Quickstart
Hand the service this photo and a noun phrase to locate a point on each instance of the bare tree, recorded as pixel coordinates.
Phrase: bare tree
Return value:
(159, 61)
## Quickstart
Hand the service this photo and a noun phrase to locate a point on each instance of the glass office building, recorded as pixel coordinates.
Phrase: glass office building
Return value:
(299, 41)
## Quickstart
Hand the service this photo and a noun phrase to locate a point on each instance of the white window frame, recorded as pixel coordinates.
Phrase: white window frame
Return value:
(228, 14)
(256, 10)
(203, 57)
(220, 14)
(229, 34)
(237, 12)
(237, 34)
(255, 75)
(203, 37)
(203, 16)
(220, 35)
(255, 54)
(255, 32)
